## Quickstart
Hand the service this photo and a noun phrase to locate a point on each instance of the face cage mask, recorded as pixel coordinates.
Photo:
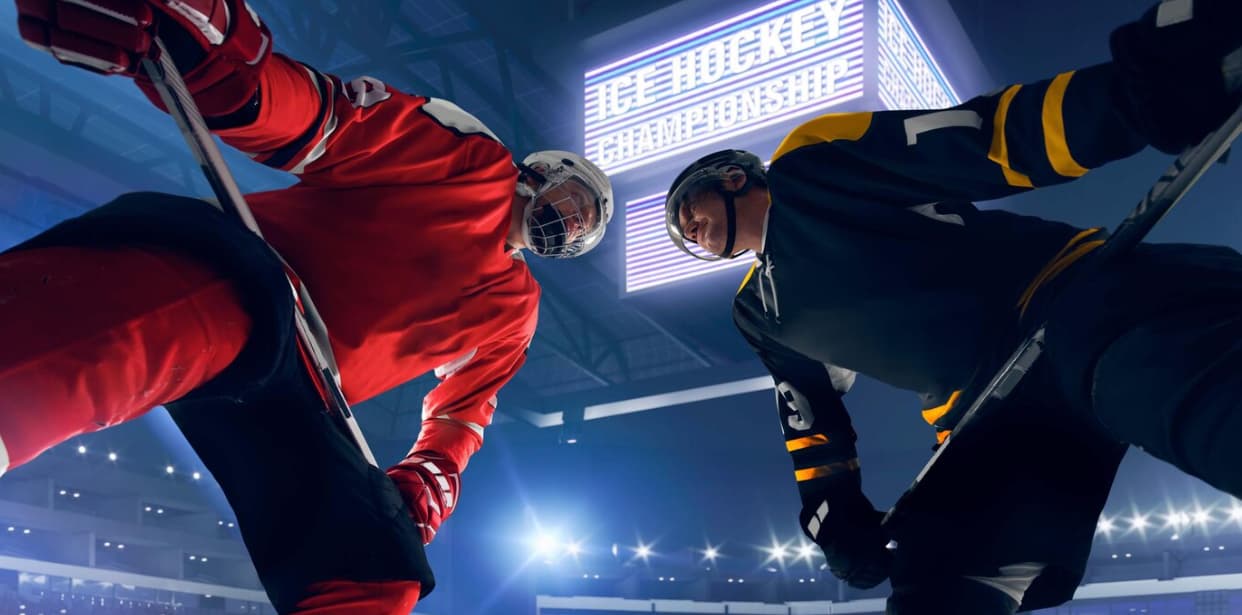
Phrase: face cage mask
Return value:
(546, 229)
(703, 180)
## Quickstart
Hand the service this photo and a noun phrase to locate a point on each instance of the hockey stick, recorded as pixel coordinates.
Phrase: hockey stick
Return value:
(1167, 192)
(312, 334)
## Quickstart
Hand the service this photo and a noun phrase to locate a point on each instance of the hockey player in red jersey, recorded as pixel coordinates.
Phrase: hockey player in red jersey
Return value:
(407, 225)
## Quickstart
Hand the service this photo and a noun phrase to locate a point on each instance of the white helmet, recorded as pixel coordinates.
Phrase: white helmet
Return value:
(545, 225)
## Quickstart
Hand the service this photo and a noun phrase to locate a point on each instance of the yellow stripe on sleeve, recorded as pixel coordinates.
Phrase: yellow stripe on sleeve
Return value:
(825, 470)
(1055, 142)
(999, 152)
(807, 442)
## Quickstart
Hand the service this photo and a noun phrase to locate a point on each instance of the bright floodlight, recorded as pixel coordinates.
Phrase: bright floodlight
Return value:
(111, 456)
(1104, 526)
(169, 470)
(1138, 522)
(777, 552)
(711, 553)
(1235, 513)
(643, 551)
(806, 552)
(1177, 520)
(81, 449)
(573, 549)
(545, 544)
(197, 475)
(1201, 516)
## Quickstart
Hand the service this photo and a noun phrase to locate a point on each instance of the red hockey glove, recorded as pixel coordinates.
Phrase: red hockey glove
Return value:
(429, 484)
(218, 45)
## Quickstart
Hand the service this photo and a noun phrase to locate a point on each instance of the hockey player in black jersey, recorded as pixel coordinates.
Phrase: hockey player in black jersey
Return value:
(872, 259)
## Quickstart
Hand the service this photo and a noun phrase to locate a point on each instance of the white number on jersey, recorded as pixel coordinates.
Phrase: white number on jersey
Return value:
(367, 91)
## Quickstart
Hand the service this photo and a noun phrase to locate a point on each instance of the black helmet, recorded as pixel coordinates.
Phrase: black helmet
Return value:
(709, 173)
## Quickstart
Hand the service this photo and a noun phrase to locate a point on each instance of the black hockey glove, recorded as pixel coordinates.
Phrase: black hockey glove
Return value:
(1174, 65)
(847, 528)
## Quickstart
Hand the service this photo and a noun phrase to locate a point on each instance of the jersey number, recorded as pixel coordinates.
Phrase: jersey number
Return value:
(803, 417)
(367, 91)
(927, 122)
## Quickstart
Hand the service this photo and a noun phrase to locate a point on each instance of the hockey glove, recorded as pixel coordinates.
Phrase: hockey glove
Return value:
(429, 484)
(219, 46)
(1174, 65)
(847, 528)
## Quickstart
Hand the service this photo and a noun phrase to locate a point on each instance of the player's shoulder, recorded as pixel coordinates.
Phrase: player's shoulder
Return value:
(826, 128)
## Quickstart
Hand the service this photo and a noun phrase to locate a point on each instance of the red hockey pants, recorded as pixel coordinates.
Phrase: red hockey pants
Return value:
(92, 337)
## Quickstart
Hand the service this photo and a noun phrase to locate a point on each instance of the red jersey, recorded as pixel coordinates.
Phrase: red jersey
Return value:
(398, 228)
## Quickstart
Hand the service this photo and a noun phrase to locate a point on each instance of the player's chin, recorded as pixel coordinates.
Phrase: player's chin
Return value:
(714, 246)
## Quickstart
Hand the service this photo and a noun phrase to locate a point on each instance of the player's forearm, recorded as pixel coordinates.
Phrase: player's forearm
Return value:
(454, 439)
(1057, 129)
(823, 461)
(282, 116)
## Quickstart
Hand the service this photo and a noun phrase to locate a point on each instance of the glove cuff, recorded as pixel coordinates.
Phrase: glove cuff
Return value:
(226, 79)
(439, 473)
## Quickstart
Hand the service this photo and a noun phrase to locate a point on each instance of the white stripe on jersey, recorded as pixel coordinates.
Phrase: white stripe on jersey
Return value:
(452, 116)
(450, 368)
(321, 147)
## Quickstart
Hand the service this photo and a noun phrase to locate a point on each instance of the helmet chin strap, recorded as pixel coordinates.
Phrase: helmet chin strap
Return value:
(731, 217)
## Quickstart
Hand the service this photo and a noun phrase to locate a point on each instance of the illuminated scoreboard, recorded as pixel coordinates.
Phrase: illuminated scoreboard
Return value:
(767, 68)
(779, 61)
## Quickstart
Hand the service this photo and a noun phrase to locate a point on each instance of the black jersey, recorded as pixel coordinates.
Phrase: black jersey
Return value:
(876, 261)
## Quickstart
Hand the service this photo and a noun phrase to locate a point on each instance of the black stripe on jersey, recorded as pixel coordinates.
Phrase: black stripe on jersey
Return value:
(285, 154)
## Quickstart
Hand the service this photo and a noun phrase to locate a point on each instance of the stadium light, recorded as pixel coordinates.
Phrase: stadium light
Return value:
(545, 545)
(1104, 526)
(776, 552)
(1235, 513)
(1177, 520)
(643, 551)
(111, 456)
(1200, 516)
(169, 469)
(1139, 522)
(711, 553)
(81, 449)
(806, 552)
(573, 548)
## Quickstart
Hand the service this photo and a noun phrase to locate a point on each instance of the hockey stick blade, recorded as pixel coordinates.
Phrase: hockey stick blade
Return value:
(311, 332)
(1168, 190)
